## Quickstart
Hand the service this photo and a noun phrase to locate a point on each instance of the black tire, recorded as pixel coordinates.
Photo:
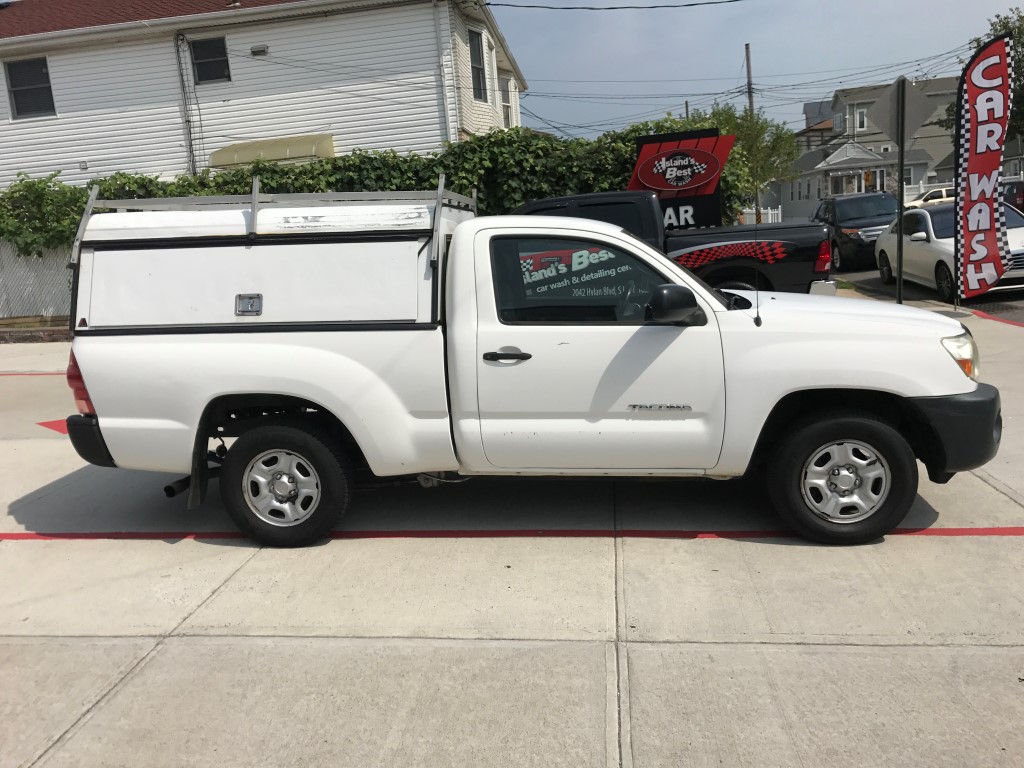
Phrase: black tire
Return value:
(816, 437)
(837, 258)
(885, 269)
(317, 454)
(945, 285)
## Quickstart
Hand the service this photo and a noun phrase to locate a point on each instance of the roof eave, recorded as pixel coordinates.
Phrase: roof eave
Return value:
(215, 18)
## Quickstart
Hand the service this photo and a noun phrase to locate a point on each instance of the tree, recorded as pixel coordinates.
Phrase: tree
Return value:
(1012, 22)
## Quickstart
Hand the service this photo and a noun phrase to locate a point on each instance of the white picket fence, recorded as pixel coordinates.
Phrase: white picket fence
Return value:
(768, 216)
(33, 285)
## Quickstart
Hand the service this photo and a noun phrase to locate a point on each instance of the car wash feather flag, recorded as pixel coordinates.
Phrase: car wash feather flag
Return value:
(983, 102)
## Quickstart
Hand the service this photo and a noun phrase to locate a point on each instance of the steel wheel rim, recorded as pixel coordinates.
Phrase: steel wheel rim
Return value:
(845, 481)
(281, 488)
(885, 269)
(836, 256)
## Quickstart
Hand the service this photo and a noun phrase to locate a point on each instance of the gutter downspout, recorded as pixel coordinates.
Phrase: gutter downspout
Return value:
(179, 40)
(440, 69)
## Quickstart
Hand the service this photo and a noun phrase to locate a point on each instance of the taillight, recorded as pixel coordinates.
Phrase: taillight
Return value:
(824, 261)
(77, 384)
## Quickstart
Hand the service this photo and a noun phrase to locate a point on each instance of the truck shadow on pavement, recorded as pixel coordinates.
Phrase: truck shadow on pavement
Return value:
(93, 502)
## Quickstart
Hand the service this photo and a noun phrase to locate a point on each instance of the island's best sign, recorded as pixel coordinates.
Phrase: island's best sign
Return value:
(984, 103)
(678, 169)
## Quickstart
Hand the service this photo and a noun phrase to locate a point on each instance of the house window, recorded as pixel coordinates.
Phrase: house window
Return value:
(506, 100)
(886, 148)
(908, 175)
(476, 62)
(28, 85)
(792, 191)
(882, 177)
(210, 60)
(819, 188)
(862, 119)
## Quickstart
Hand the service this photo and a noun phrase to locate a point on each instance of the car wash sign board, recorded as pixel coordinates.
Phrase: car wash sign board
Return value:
(684, 169)
(984, 101)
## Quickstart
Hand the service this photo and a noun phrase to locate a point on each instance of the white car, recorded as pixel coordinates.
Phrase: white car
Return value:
(935, 197)
(928, 250)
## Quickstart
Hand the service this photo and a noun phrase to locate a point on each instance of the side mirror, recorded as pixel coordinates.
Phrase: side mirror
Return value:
(919, 237)
(675, 304)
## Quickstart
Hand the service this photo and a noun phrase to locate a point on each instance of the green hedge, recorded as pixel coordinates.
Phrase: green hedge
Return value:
(506, 167)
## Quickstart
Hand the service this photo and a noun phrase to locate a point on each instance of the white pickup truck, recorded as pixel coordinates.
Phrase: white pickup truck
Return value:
(287, 342)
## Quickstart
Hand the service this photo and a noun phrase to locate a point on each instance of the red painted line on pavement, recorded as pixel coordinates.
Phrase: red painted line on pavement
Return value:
(987, 316)
(60, 425)
(49, 373)
(496, 534)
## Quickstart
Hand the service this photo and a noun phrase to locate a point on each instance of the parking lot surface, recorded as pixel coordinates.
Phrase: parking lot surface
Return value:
(502, 622)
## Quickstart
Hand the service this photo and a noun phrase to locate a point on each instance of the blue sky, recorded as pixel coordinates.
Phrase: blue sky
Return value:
(802, 50)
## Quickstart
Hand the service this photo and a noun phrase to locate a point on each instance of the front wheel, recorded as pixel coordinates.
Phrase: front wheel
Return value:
(286, 485)
(843, 479)
(944, 283)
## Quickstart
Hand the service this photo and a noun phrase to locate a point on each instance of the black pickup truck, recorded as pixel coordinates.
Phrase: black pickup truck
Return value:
(794, 258)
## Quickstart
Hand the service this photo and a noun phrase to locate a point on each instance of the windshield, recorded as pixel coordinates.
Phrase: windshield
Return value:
(866, 207)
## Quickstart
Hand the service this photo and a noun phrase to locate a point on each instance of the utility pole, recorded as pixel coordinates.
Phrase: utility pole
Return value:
(750, 107)
(687, 109)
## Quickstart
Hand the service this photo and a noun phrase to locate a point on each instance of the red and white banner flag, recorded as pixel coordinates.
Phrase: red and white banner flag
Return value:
(984, 102)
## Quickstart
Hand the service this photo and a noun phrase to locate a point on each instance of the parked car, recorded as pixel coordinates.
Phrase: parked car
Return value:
(928, 250)
(1013, 193)
(854, 223)
(934, 197)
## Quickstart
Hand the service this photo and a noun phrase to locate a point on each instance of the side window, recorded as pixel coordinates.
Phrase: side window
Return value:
(28, 87)
(476, 65)
(210, 61)
(569, 281)
(912, 223)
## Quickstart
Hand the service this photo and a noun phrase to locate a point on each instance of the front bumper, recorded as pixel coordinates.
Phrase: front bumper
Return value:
(968, 428)
(87, 439)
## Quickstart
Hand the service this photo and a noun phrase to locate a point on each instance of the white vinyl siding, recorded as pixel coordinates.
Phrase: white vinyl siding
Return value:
(373, 78)
(118, 109)
(370, 78)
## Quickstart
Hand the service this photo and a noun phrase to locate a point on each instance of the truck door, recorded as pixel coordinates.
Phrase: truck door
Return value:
(569, 375)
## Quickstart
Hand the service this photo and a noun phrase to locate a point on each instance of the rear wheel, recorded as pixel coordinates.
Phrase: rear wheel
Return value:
(843, 479)
(286, 485)
(885, 269)
(944, 284)
(837, 258)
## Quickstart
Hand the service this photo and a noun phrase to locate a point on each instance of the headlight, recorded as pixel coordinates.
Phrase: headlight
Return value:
(964, 351)
(854, 233)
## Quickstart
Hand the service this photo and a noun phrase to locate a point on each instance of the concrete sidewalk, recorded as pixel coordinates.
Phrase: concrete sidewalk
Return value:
(589, 649)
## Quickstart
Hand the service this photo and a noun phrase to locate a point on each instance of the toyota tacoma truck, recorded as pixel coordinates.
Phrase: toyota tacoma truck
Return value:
(788, 257)
(286, 343)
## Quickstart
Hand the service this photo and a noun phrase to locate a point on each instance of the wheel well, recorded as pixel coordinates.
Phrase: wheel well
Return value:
(889, 408)
(740, 274)
(233, 415)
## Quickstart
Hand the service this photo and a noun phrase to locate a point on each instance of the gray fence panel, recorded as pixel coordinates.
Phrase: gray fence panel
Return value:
(30, 285)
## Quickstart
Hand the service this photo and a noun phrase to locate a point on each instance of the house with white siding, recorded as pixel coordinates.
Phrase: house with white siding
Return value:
(171, 87)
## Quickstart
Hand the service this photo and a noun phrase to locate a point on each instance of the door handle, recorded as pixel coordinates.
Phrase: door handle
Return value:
(493, 357)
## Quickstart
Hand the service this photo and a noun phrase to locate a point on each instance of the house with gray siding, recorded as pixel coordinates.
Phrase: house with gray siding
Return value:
(854, 155)
(168, 88)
